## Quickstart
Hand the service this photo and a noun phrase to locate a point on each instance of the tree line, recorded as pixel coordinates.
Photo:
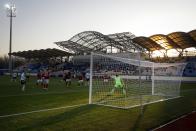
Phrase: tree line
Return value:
(16, 62)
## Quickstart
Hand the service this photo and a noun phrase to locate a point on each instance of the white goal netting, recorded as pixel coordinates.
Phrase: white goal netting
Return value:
(125, 83)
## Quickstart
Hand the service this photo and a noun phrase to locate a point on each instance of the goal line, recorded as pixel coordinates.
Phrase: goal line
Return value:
(138, 105)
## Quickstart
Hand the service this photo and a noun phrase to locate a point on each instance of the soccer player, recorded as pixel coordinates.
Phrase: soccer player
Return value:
(68, 78)
(14, 77)
(118, 84)
(46, 79)
(43, 78)
(23, 80)
(27, 76)
(106, 78)
(80, 80)
(39, 78)
(65, 76)
(87, 77)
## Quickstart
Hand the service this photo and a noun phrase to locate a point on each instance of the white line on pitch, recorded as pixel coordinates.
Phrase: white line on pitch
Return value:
(43, 110)
(40, 94)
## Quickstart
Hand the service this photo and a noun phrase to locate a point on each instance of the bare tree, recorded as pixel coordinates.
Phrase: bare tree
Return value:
(4, 62)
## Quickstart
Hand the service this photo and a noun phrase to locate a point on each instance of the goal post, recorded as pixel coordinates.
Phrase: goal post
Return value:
(152, 78)
(91, 78)
(129, 82)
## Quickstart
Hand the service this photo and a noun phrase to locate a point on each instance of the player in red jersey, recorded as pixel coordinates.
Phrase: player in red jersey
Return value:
(39, 78)
(42, 78)
(46, 79)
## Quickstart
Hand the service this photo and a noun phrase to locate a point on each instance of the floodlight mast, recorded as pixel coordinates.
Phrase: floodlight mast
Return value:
(11, 12)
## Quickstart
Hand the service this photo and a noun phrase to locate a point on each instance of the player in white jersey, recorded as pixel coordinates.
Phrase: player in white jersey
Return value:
(87, 77)
(23, 80)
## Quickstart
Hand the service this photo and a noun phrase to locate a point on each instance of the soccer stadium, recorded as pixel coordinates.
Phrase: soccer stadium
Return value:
(102, 82)
(97, 65)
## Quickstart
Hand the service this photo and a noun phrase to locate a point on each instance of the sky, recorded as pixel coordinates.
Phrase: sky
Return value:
(40, 23)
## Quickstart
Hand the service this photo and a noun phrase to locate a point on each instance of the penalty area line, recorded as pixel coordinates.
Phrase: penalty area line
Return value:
(42, 110)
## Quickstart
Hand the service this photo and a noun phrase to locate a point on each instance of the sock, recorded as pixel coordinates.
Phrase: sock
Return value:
(23, 88)
(124, 92)
(112, 91)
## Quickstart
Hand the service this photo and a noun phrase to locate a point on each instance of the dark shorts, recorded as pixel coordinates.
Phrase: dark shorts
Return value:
(87, 79)
(13, 77)
(23, 82)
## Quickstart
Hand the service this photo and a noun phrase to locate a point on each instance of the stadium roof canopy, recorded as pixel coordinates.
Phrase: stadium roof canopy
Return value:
(43, 53)
(88, 41)
(175, 40)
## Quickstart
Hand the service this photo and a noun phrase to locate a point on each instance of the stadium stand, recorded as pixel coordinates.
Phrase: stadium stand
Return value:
(126, 44)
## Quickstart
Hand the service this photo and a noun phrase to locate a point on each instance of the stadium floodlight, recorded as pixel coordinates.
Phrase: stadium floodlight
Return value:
(7, 6)
(11, 12)
(125, 83)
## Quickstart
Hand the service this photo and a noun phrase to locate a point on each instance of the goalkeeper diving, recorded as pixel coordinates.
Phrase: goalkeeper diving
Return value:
(118, 84)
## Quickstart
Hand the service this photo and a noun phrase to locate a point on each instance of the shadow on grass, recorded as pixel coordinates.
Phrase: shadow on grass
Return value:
(140, 116)
(139, 119)
(65, 116)
(165, 109)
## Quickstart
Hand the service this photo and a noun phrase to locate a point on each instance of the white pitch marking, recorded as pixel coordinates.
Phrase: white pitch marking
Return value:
(43, 110)
(49, 93)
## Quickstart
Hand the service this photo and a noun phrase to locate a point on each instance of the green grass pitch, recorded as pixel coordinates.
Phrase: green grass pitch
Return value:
(86, 117)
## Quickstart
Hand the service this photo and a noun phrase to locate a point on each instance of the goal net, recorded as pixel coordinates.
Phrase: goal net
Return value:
(125, 83)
